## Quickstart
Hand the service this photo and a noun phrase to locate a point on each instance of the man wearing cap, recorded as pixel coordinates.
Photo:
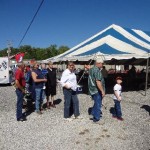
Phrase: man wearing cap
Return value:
(96, 87)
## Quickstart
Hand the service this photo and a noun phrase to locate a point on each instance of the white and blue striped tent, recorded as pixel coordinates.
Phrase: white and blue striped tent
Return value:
(113, 42)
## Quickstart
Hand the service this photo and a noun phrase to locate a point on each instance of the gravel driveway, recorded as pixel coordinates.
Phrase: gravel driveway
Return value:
(51, 132)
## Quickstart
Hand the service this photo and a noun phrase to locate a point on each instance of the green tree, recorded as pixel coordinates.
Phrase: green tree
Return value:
(37, 53)
(51, 51)
(62, 49)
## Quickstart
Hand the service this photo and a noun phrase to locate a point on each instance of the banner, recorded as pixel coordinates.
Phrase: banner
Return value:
(4, 70)
(19, 57)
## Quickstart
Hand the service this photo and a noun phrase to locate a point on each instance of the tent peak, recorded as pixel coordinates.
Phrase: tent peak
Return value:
(113, 26)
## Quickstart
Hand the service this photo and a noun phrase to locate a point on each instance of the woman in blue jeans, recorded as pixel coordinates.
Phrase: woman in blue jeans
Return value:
(69, 84)
(38, 82)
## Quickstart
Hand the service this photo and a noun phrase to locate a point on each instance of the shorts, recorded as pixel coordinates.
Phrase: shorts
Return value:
(50, 91)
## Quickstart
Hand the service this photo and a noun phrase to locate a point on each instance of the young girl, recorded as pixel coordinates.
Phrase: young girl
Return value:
(117, 99)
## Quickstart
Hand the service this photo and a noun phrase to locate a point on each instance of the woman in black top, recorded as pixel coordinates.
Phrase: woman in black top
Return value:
(51, 85)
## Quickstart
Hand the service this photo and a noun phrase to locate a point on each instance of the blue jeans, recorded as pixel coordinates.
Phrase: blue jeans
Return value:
(39, 97)
(96, 110)
(117, 106)
(19, 103)
(69, 96)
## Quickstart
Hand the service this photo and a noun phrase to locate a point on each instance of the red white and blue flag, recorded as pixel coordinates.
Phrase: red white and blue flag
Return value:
(19, 57)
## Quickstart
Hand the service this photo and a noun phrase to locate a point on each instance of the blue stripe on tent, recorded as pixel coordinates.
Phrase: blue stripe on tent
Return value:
(136, 35)
(106, 49)
(113, 33)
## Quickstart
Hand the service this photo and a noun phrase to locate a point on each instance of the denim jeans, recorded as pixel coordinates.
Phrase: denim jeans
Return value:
(69, 96)
(39, 97)
(96, 110)
(117, 107)
(19, 103)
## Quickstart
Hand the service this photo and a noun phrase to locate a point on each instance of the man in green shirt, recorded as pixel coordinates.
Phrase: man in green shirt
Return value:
(96, 87)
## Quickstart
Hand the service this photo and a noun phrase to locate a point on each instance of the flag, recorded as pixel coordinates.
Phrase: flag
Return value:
(19, 57)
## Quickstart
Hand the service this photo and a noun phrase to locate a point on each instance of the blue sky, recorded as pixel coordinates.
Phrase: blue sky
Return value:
(67, 22)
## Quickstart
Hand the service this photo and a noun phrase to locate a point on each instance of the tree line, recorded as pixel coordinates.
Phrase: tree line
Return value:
(36, 53)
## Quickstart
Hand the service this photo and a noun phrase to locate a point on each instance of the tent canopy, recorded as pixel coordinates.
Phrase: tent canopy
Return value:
(113, 42)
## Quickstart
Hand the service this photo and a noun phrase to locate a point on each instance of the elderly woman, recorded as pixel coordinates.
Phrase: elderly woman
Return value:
(69, 83)
(38, 82)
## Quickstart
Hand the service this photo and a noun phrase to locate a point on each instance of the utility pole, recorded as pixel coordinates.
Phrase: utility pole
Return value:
(9, 44)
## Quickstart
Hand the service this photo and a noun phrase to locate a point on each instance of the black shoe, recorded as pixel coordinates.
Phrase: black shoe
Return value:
(95, 120)
(22, 119)
(91, 118)
(120, 118)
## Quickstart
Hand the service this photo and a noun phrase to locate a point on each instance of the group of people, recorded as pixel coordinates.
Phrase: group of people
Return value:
(44, 84)
(40, 83)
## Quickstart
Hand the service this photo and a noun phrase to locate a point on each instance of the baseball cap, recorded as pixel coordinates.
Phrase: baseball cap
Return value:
(119, 78)
(99, 60)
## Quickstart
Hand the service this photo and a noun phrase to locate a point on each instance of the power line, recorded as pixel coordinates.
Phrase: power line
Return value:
(31, 22)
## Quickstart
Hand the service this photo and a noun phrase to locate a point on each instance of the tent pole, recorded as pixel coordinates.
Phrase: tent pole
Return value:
(147, 70)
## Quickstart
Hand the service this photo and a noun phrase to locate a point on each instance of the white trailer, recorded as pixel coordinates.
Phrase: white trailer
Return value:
(5, 72)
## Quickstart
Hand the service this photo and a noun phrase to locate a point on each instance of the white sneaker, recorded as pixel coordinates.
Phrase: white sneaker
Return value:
(68, 119)
(79, 117)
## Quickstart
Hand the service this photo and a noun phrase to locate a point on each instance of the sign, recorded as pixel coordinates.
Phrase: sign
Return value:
(4, 70)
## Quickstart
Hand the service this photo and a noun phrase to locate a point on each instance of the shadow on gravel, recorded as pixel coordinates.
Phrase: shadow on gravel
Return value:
(28, 105)
(112, 110)
(147, 108)
(57, 101)
(90, 110)
(5, 85)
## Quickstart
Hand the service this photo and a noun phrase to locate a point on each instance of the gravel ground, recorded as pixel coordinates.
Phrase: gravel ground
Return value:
(51, 132)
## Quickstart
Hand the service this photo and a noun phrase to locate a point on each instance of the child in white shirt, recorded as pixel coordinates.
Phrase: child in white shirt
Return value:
(117, 99)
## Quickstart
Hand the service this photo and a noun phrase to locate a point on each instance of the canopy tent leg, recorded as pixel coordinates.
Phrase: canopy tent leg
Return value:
(147, 70)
